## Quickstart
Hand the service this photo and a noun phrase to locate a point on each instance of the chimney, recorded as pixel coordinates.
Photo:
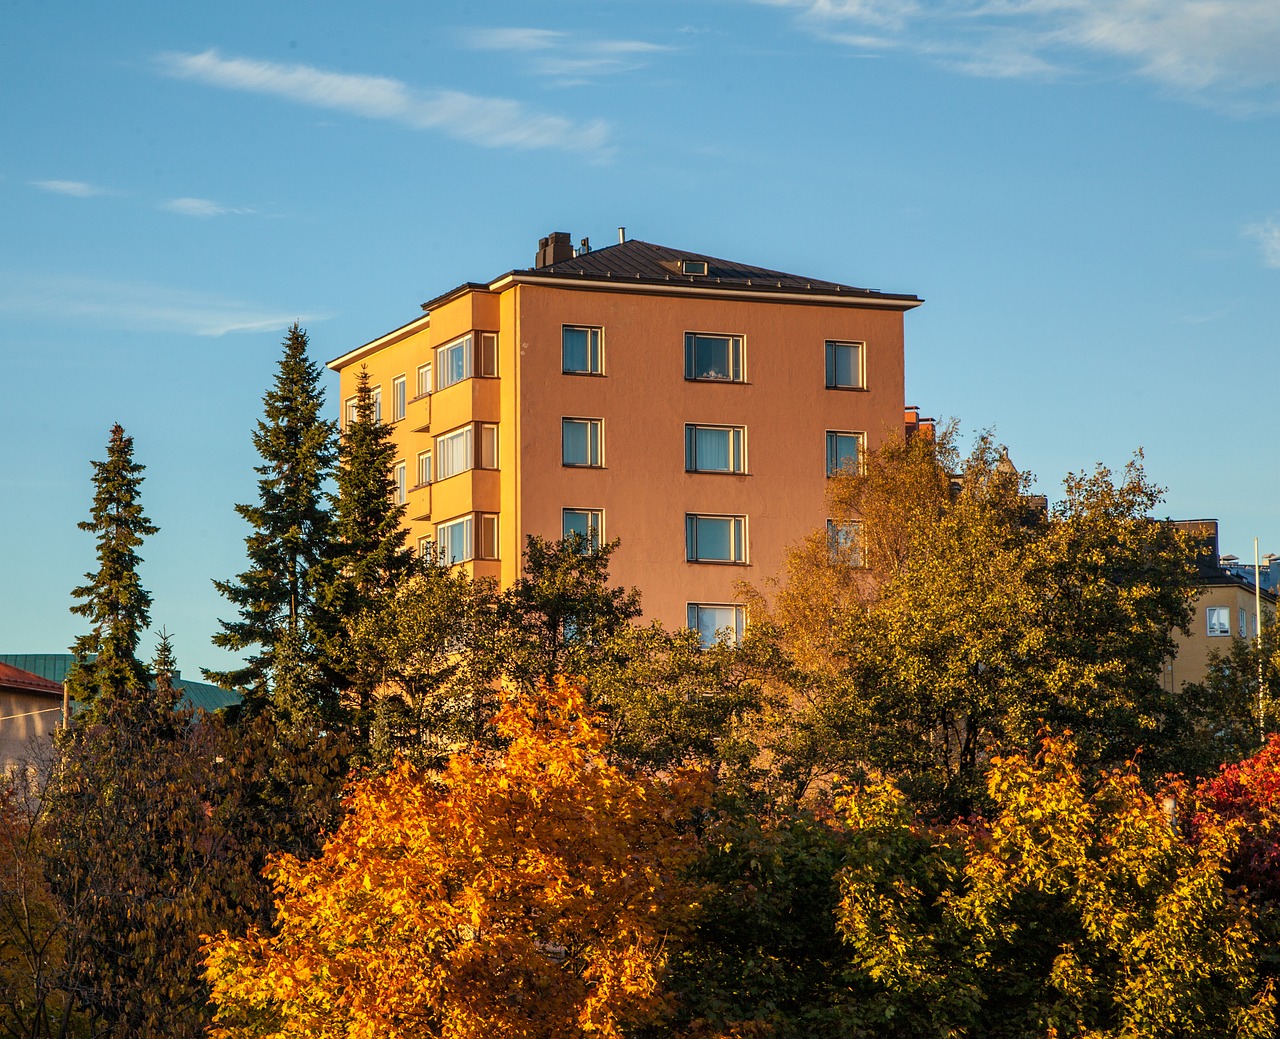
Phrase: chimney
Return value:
(622, 236)
(555, 247)
(585, 247)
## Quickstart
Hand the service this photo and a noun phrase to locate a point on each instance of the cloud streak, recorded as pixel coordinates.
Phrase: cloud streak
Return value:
(74, 188)
(563, 55)
(201, 207)
(1216, 52)
(136, 306)
(486, 121)
(1267, 234)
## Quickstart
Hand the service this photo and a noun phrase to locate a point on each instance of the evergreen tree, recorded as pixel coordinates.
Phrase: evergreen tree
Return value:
(113, 598)
(370, 558)
(164, 666)
(291, 525)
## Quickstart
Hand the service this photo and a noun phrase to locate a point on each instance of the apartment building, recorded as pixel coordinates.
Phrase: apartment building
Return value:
(690, 406)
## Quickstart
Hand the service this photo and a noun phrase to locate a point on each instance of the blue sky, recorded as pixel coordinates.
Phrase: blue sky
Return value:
(1084, 192)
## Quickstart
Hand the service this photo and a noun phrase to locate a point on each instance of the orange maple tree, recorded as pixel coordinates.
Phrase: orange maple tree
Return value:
(521, 893)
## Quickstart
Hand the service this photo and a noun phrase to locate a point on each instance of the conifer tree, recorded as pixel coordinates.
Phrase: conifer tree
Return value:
(113, 598)
(289, 544)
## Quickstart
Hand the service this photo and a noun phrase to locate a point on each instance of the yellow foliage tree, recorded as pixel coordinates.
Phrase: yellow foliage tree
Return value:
(523, 894)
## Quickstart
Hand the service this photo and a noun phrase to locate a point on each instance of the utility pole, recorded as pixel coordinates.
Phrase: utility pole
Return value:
(1257, 638)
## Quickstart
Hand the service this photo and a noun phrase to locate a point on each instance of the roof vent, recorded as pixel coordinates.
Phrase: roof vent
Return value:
(693, 267)
(556, 247)
(585, 247)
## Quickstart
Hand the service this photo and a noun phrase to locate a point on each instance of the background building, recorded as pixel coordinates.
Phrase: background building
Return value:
(690, 406)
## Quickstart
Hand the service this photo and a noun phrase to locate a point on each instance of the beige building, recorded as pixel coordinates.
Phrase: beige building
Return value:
(690, 406)
(31, 709)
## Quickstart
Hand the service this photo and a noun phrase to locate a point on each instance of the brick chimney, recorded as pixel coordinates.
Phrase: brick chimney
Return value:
(555, 247)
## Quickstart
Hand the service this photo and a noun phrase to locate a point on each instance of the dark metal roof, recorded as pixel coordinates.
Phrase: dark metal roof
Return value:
(643, 261)
(53, 667)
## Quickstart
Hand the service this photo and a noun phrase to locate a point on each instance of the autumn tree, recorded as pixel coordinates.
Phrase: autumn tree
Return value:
(1076, 908)
(289, 543)
(525, 893)
(113, 599)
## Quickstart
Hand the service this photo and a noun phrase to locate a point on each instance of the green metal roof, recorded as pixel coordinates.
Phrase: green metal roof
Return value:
(54, 666)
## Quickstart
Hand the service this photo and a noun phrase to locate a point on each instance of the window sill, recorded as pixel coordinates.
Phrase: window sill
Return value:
(579, 465)
(716, 379)
(589, 375)
(849, 389)
(715, 562)
(715, 472)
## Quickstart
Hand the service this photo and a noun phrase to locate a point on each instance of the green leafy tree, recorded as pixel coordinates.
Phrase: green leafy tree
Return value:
(290, 541)
(369, 554)
(113, 599)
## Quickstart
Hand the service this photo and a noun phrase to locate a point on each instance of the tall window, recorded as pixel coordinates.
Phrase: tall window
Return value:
(844, 451)
(488, 457)
(717, 622)
(715, 449)
(424, 468)
(377, 404)
(844, 542)
(488, 545)
(717, 357)
(401, 481)
(398, 399)
(582, 350)
(587, 522)
(488, 361)
(453, 362)
(455, 452)
(715, 539)
(844, 366)
(425, 385)
(349, 412)
(581, 441)
(1218, 619)
(455, 540)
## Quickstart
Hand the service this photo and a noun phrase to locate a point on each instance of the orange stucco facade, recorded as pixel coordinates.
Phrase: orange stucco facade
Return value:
(635, 409)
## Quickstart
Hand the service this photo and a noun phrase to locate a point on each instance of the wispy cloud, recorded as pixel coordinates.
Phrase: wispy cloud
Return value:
(488, 121)
(137, 306)
(566, 56)
(1267, 234)
(75, 188)
(1210, 50)
(202, 207)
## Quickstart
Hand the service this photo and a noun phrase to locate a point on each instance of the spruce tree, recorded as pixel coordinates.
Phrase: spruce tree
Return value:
(370, 556)
(289, 544)
(113, 598)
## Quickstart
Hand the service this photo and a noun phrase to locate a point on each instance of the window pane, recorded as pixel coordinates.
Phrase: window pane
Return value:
(712, 447)
(488, 447)
(455, 362)
(454, 453)
(575, 350)
(712, 622)
(715, 539)
(398, 399)
(844, 542)
(586, 522)
(424, 468)
(581, 441)
(401, 480)
(711, 358)
(842, 452)
(424, 380)
(455, 540)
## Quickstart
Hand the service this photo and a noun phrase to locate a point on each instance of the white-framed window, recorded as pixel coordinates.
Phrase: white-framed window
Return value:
(488, 456)
(715, 357)
(453, 362)
(845, 366)
(456, 540)
(350, 411)
(1218, 620)
(715, 449)
(844, 452)
(844, 542)
(488, 544)
(377, 404)
(425, 385)
(693, 267)
(424, 468)
(587, 522)
(582, 442)
(455, 452)
(1240, 628)
(715, 539)
(401, 473)
(398, 398)
(424, 546)
(487, 362)
(581, 350)
(717, 622)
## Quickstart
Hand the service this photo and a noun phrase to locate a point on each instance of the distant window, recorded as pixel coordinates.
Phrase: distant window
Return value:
(581, 441)
(453, 362)
(455, 452)
(424, 468)
(716, 357)
(844, 366)
(424, 546)
(844, 542)
(401, 482)
(488, 547)
(1218, 619)
(377, 404)
(1243, 622)
(716, 622)
(488, 361)
(455, 539)
(587, 522)
(350, 411)
(715, 539)
(694, 266)
(425, 384)
(844, 452)
(398, 399)
(581, 350)
(715, 449)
